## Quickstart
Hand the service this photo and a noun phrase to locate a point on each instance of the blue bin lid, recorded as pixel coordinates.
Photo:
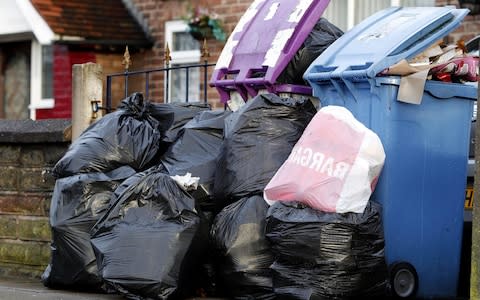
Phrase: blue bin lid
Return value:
(382, 40)
(263, 42)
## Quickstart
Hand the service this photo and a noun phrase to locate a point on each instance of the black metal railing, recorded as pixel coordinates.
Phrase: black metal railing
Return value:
(166, 72)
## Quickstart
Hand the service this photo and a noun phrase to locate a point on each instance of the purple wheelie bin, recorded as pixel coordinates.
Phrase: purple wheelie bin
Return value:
(262, 44)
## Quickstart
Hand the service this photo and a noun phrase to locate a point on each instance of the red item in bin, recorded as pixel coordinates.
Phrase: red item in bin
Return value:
(457, 69)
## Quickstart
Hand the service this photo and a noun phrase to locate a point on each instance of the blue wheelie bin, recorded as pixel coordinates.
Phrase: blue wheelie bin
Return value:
(422, 184)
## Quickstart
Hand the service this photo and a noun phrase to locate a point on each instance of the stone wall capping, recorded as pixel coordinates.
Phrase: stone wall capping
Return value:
(40, 131)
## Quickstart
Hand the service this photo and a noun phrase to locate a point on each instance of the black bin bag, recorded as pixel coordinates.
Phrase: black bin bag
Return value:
(322, 35)
(172, 117)
(78, 202)
(242, 252)
(197, 151)
(149, 243)
(258, 139)
(182, 114)
(322, 255)
(128, 136)
(164, 113)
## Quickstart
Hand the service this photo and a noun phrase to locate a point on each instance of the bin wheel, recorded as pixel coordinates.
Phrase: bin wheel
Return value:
(403, 280)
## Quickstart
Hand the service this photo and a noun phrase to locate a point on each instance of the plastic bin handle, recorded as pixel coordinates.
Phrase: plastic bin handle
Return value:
(443, 90)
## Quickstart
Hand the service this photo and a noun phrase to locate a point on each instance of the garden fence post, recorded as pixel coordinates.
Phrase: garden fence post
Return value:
(87, 89)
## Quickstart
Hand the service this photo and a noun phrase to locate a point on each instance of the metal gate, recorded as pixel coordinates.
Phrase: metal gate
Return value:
(165, 72)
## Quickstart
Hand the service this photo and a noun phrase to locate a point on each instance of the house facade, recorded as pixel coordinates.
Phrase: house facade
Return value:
(40, 40)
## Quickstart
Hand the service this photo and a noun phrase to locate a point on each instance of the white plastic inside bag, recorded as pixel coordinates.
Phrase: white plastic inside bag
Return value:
(187, 182)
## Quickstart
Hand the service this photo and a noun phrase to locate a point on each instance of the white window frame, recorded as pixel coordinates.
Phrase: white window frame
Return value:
(178, 57)
(36, 100)
(43, 36)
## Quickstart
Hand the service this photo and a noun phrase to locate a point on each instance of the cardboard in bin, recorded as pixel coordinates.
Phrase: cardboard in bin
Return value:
(381, 41)
(262, 44)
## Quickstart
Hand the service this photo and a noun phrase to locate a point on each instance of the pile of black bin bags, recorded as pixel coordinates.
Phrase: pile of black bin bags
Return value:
(122, 224)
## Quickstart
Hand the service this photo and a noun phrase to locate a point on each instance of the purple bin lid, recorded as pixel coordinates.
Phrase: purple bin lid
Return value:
(262, 44)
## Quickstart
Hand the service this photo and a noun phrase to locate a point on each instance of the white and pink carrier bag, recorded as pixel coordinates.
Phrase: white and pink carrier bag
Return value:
(333, 167)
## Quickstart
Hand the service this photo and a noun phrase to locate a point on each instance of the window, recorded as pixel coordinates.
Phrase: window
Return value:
(41, 77)
(348, 13)
(47, 72)
(15, 80)
(185, 50)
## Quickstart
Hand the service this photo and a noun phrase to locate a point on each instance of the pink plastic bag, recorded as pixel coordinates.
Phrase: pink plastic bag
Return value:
(334, 166)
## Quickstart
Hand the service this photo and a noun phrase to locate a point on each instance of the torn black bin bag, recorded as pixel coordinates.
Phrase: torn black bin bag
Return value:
(197, 151)
(322, 35)
(78, 202)
(258, 139)
(242, 252)
(149, 243)
(327, 255)
(128, 136)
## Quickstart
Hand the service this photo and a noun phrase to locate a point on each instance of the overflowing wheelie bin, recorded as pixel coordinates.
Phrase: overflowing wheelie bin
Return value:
(422, 184)
(264, 41)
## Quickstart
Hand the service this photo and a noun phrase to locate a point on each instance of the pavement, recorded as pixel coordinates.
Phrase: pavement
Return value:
(29, 289)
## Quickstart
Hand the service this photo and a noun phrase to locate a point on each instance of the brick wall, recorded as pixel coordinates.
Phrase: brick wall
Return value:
(28, 148)
(112, 63)
(469, 28)
(156, 13)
